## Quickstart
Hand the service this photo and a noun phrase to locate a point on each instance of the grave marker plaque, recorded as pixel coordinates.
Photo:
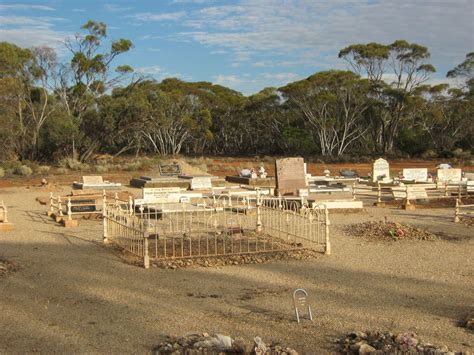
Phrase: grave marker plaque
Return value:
(79, 206)
(300, 301)
(417, 175)
(161, 195)
(380, 170)
(449, 175)
(290, 176)
(170, 169)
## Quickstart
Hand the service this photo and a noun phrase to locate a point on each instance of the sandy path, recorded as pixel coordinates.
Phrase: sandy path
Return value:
(74, 295)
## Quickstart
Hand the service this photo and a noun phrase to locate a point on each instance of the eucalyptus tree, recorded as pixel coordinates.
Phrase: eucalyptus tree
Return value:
(395, 71)
(333, 104)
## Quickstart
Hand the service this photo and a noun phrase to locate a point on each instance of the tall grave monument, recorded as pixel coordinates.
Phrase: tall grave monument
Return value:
(380, 170)
(290, 176)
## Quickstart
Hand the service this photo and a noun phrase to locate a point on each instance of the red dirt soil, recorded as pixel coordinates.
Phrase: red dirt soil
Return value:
(224, 166)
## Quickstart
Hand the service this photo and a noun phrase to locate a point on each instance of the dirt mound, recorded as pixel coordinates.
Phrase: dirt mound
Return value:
(187, 169)
(213, 261)
(387, 343)
(388, 231)
(218, 344)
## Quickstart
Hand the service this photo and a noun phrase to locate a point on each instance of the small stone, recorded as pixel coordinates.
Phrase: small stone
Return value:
(366, 349)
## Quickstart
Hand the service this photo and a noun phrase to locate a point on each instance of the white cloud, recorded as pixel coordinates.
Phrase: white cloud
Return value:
(30, 37)
(311, 32)
(192, 1)
(37, 22)
(115, 8)
(163, 16)
(26, 7)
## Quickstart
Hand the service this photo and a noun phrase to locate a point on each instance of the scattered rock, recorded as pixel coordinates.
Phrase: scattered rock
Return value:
(217, 261)
(469, 321)
(388, 231)
(7, 267)
(375, 342)
(219, 344)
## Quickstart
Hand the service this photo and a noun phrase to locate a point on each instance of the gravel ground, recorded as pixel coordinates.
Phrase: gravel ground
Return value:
(72, 294)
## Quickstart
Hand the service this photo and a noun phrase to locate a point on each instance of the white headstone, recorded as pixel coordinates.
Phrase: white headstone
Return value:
(92, 180)
(380, 170)
(201, 182)
(420, 174)
(469, 176)
(449, 175)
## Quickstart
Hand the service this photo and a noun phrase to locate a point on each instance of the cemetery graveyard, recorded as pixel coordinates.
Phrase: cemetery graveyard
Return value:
(175, 252)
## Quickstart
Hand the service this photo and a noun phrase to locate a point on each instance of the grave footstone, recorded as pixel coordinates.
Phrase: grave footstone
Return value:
(290, 176)
(380, 170)
(417, 175)
(202, 182)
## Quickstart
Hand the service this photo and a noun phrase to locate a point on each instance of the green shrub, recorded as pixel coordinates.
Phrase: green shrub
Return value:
(43, 169)
(2, 172)
(134, 166)
(101, 168)
(24, 170)
(73, 164)
(62, 171)
(429, 154)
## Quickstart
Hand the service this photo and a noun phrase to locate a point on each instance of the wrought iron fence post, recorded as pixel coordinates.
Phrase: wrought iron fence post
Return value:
(354, 191)
(146, 256)
(259, 212)
(327, 223)
(104, 218)
(69, 209)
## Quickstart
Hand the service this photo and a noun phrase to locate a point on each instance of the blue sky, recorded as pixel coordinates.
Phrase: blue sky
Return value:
(247, 44)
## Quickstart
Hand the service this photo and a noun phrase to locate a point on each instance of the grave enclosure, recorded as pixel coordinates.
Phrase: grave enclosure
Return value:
(224, 226)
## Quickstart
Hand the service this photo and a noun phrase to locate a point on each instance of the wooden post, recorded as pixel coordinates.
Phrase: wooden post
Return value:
(407, 205)
(460, 190)
(104, 218)
(456, 212)
(354, 191)
(327, 249)
(51, 202)
(445, 188)
(379, 196)
(5, 213)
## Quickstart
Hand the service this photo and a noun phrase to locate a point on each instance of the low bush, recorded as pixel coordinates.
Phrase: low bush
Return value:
(62, 171)
(101, 168)
(43, 169)
(24, 170)
(2, 172)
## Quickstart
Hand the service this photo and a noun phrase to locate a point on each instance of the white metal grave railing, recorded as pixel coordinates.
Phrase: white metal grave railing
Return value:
(216, 227)
(460, 211)
(381, 193)
(66, 207)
